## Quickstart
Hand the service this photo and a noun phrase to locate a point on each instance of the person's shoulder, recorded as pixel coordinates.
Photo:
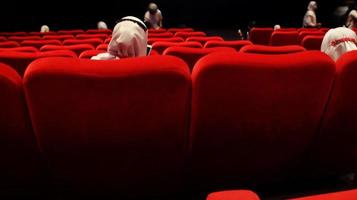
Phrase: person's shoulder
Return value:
(310, 13)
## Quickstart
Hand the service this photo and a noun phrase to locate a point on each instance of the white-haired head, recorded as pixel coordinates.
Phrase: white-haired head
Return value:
(102, 25)
(44, 29)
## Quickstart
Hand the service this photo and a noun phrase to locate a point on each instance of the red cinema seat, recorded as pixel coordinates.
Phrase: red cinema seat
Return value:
(3, 39)
(103, 125)
(172, 39)
(99, 31)
(262, 49)
(336, 149)
(237, 44)
(307, 29)
(303, 34)
(77, 48)
(42, 34)
(92, 41)
(8, 34)
(174, 30)
(88, 54)
(20, 60)
(204, 39)
(58, 37)
(70, 32)
(88, 36)
(20, 158)
(39, 43)
(161, 30)
(233, 195)
(279, 38)
(342, 195)
(192, 55)
(22, 38)
(185, 35)
(107, 41)
(260, 35)
(9, 44)
(324, 29)
(102, 47)
(161, 35)
(312, 42)
(160, 47)
(286, 29)
(254, 116)
(22, 49)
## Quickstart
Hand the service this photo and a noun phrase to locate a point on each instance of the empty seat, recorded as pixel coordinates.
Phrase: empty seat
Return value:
(262, 49)
(8, 34)
(102, 47)
(3, 39)
(174, 30)
(192, 55)
(116, 126)
(286, 29)
(204, 39)
(22, 38)
(22, 49)
(39, 43)
(90, 53)
(260, 35)
(9, 44)
(160, 47)
(161, 30)
(341, 195)
(303, 34)
(233, 195)
(254, 116)
(312, 42)
(92, 41)
(87, 36)
(42, 33)
(308, 29)
(237, 44)
(95, 31)
(172, 39)
(77, 48)
(284, 38)
(58, 37)
(185, 35)
(161, 35)
(70, 32)
(20, 158)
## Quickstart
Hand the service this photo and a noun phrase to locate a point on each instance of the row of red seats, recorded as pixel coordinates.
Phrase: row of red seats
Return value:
(146, 127)
(60, 32)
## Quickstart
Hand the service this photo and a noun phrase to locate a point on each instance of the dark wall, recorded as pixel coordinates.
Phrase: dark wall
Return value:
(66, 14)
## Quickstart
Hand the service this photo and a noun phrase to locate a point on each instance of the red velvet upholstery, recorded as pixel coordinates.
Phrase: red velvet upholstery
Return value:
(312, 42)
(22, 49)
(279, 38)
(3, 39)
(343, 195)
(58, 37)
(39, 43)
(70, 32)
(102, 47)
(254, 116)
(204, 39)
(22, 38)
(336, 147)
(42, 34)
(118, 125)
(88, 36)
(77, 48)
(92, 41)
(161, 30)
(107, 41)
(260, 35)
(286, 29)
(303, 34)
(192, 55)
(13, 33)
(20, 60)
(233, 195)
(174, 30)
(90, 53)
(161, 35)
(237, 44)
(20, 164)
(9, 44)
(95, 31)
(185, 35)
(308, 29)
(160, 47)
(172, 39)
(262, 49)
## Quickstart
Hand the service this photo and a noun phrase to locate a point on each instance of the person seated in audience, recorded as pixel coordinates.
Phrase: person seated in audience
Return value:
(153, 17)
(102, 25)
(129, 39)
(45, 29)
(276, 27)
(352, 19)
(310, 20)
(339, 41)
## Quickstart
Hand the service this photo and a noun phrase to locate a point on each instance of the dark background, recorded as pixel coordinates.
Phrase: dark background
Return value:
(18, 15)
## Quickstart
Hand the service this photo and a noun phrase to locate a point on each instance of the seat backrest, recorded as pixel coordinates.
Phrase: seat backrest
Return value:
(172, 39)
(161, 30)
(204, 39)
(160, 47)
(262, 49)
(254, 116)
(174, 30)
(114, 126)
(58, 37)
(3, 39)
(88, 36)
(260, 35)
(93, 41)
(192, 55)
(312, 42)
(77, 48)
(22, 38)
(237, 44)
(9, 44)
(279, 38)
(233, 195)
(161, 35)
(39, 43)
(303, 34)
(70, 32)
(102, 47)
(95, 31)
(8, 34)
(20, 158)
(88, 54)
(22, 49)
(185, 35)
